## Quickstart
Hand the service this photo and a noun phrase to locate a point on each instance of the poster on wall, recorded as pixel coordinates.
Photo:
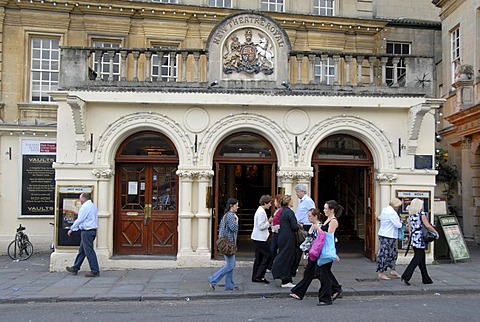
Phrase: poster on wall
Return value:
(38, 177)
(68, 205)
(406, 197)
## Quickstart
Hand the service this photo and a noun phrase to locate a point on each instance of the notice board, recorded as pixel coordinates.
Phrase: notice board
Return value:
(68, 205)
(454, 236)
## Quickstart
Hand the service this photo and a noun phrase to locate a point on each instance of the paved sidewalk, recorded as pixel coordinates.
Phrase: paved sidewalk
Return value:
(30, 281)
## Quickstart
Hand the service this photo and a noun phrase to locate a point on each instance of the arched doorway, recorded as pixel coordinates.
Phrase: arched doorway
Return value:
(343, 168)
(245, 169)
(145, 210)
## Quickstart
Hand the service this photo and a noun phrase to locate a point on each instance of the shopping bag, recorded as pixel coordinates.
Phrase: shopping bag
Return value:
(329, 252)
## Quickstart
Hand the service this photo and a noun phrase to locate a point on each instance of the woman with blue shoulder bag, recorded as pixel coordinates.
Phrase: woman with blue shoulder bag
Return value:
(388, 234)
(330, 289)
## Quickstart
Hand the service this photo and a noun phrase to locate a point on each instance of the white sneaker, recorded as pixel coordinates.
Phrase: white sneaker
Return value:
(290, 285)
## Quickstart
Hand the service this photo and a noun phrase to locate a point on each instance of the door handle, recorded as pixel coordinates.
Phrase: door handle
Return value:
(148, 214)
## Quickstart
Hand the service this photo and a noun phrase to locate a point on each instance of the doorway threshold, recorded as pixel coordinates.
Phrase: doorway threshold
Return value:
(144, 257)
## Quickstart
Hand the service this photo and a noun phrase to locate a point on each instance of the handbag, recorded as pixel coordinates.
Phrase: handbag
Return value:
(300, 235)
(317, 246)
(307, 244)
(427, 235)
(329, 252)
(401, 232)
(224, 245)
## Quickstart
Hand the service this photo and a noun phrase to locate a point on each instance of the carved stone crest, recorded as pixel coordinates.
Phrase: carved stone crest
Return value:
(255, 55)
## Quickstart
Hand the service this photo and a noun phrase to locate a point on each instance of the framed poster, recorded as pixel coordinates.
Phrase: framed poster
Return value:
(406, 197)
(38, 177)
(68, 205)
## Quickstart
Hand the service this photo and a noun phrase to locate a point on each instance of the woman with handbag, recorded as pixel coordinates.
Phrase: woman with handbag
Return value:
(259, 236)
(315, 232)
(229, 228)
(282, 266)
(330, 289)
(388, 234)
(417, 218)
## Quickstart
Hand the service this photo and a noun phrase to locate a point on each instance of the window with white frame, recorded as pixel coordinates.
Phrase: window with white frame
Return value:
(44, 68)
(104, 68)
(166, 67)
(324, 7)
(327, 69)
(398, 48)
(220, 3)
(455, 40)
(273, 5)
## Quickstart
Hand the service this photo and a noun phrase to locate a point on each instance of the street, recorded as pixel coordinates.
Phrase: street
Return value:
(435, 307)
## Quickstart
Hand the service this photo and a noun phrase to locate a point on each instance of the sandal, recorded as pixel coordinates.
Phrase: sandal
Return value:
(295, 296)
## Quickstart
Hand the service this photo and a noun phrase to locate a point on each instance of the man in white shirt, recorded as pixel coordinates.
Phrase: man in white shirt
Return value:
(87, 223)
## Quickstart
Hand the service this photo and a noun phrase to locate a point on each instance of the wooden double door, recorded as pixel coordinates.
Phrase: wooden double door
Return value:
(146, 209)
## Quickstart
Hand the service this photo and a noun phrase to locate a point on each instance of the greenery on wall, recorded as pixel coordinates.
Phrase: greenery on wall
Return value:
(448, 175)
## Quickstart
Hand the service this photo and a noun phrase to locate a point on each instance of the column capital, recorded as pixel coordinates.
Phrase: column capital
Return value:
(386, 177)
(103, 173)
(466, 142)
(295, 174)
(192, 174)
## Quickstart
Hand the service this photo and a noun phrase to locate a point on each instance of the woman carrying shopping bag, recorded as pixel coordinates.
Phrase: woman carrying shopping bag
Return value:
(329, 287)
(315, 231)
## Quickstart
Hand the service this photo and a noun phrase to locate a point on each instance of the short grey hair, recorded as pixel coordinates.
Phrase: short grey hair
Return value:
(301, 187)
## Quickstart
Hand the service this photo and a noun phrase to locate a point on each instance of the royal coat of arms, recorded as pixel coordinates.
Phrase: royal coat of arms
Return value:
(248, 57)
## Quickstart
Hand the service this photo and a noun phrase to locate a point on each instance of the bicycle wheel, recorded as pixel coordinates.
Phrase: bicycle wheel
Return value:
(22, 250)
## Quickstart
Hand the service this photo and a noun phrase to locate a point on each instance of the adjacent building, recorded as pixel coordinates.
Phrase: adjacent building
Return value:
(459, 125)
(164, 109)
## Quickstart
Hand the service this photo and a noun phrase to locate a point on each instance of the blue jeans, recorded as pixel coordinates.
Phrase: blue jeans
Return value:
(227, 271)
(86, 250)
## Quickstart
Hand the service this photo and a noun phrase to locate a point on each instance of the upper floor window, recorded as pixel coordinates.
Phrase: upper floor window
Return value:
(455, 40)
(104, 67)
(398, 48)
(273, 5)
(327, 69)
(164, 67)
(44, 68)
(220, 3)
(165, 1)
(324, 7)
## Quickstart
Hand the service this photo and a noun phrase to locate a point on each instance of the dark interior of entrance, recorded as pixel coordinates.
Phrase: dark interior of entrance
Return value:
(247, 183)
(346, 185)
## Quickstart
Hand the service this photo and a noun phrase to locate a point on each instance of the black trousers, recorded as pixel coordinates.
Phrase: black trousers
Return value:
(417, 260)
(328, 283)
(308, 275)
(262, 259)
(299, 254)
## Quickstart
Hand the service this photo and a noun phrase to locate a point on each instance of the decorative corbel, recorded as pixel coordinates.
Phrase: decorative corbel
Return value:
(415, 119)
(78, 113)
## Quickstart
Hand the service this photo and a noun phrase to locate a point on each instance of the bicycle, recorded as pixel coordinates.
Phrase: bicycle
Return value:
(20, 248)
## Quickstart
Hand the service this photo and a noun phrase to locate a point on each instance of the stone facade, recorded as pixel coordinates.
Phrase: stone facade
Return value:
(236, 72)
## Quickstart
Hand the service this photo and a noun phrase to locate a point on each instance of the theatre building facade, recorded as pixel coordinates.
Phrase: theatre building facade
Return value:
(171, 110)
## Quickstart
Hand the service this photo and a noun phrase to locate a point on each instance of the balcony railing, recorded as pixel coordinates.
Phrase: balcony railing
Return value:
(353, 72)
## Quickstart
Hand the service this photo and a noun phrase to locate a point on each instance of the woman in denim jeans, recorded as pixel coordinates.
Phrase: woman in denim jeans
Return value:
(228, 227)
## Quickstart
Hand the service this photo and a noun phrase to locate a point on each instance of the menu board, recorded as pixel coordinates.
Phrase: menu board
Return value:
(38, 177)
(454, 236)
